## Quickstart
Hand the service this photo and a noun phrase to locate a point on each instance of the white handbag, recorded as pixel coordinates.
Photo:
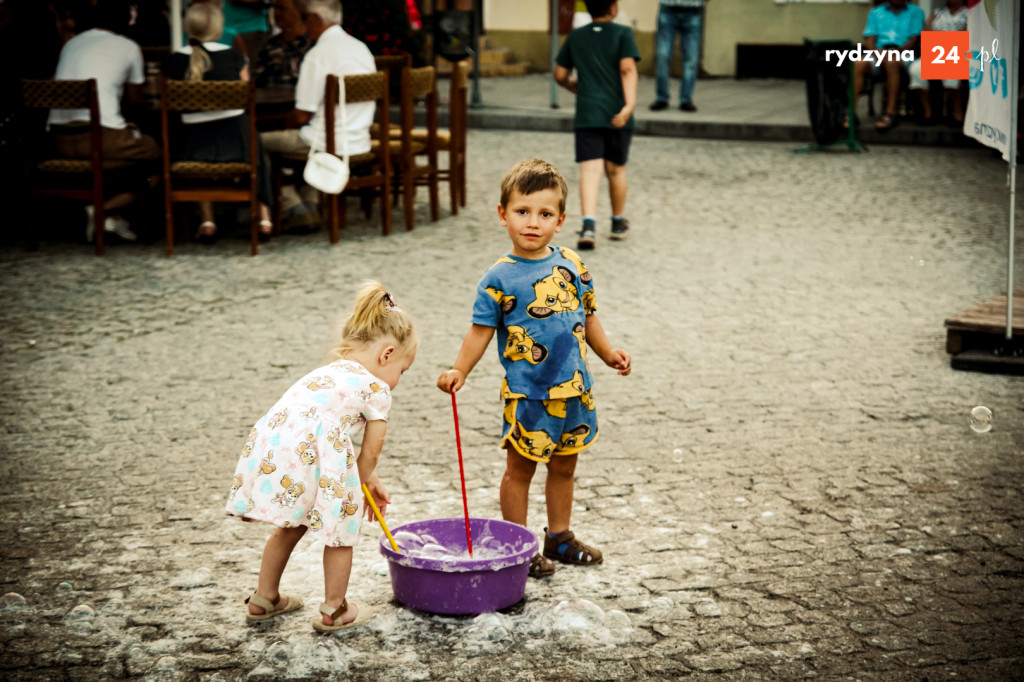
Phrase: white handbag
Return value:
(326, 172)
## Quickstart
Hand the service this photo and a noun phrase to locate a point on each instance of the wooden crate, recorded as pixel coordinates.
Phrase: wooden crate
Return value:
(976, 338)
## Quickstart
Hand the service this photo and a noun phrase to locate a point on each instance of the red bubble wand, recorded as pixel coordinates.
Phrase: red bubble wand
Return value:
(462, 475)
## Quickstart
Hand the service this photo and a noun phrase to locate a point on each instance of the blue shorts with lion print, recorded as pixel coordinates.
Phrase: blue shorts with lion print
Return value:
(539, 429)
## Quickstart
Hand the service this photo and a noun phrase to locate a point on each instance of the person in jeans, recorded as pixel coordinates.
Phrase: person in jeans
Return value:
(682, 17)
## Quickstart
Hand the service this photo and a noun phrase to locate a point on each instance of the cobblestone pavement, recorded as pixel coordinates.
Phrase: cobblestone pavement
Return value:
(786, 487)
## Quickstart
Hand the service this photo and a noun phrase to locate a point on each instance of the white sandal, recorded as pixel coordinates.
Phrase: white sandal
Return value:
(207, 233)
(266, 230)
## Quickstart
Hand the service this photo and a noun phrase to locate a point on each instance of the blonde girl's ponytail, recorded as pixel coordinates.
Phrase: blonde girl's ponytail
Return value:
(375, 316)
(203, 22)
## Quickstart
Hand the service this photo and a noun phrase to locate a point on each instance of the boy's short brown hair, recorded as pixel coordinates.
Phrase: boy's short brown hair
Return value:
(533, 175)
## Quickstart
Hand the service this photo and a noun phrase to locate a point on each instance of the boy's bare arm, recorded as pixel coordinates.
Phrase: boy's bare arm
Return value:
(366, 463)
(564, 78)
(473, 347)
(628, 72)
(615, 358)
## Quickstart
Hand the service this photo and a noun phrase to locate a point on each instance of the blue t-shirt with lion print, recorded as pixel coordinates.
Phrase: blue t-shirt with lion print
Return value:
(539, 308)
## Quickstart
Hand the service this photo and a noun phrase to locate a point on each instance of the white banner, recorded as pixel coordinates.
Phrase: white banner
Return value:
(992, 74)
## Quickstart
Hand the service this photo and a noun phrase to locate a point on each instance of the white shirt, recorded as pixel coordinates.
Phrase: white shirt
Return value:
(112, 60)
(335, 52)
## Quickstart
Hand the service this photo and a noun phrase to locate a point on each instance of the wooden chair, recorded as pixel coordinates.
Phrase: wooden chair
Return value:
(393, 64)
(453, 140)
(191, 181)
(417, 84)
(53, 176)
(370, 170)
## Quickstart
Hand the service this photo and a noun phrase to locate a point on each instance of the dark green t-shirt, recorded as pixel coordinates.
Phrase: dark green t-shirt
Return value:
(595, 51)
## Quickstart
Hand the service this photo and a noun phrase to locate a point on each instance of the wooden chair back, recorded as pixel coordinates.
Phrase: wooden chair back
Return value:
(393, 64)
(191, 181)
(417, 85)
(370, 170)
(66, 94)
(458, 123)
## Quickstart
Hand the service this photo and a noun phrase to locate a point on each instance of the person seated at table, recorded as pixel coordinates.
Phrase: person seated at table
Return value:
(116, 63)
(333, 52)
(952, 17)
(279, 59)
(215, 136)
(893, 25)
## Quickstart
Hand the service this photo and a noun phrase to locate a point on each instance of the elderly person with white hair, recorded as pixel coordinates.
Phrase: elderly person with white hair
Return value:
(333, 52)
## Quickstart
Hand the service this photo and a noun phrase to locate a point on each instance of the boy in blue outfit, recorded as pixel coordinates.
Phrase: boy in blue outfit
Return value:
(541, 301)
(604, 55)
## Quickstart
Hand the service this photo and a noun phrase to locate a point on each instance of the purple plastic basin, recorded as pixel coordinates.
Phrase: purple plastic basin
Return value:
(461, 585)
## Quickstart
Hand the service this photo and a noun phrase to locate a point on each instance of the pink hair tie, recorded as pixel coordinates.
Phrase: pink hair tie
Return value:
(389, 302)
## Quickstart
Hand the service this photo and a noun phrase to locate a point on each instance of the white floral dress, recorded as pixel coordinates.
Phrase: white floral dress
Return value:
(298, 466)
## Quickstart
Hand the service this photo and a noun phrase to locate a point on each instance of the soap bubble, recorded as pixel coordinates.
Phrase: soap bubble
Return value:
(12, 601)
(677, 452)
(81, 612)
(65, 588)
(579, 614)
(981, 419)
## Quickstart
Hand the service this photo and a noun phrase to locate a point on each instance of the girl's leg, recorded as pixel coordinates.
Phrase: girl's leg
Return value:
(337, 570)
(275, 557)
(515, 486)
(558, 491)
(617, 186)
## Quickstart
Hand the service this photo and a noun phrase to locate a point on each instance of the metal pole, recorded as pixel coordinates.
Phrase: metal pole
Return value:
(554, 52)
(176, 33)
(476, 101)
(1015, 56)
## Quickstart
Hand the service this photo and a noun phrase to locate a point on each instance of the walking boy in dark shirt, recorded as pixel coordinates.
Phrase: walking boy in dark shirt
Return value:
(604, 55)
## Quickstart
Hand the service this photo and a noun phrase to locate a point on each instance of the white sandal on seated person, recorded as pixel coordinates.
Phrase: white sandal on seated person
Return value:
(207, 233)
(266, 230)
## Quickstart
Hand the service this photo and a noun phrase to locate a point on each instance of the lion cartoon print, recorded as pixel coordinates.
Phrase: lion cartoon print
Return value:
(570, 439)
(506, 302)
(537, 445)
(573, 257)
(521, 346)
(556, 293)
(557, 394)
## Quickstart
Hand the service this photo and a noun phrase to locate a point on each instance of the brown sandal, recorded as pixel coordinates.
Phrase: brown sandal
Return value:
(541, 567)
(566, 548)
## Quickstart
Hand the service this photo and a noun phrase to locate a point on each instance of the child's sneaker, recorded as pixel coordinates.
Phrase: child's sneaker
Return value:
(587, 237)
(566, 548)
(620, 228)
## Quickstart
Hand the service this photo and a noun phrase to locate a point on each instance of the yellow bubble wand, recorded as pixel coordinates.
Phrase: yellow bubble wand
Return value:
(380, 519)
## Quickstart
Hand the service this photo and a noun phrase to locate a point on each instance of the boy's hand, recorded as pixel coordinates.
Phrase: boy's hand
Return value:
(620, 360)
(451, 381)
(570, 84)
(380, 497)
(620, 119)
